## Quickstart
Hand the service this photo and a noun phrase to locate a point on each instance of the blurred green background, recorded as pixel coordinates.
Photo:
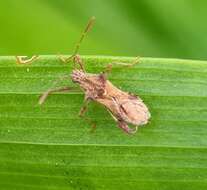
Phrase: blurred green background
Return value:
(155, 28)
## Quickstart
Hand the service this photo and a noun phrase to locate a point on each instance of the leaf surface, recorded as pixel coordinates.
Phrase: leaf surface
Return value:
(50, 147)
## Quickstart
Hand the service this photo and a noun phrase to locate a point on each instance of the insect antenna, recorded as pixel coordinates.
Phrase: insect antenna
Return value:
(86, 30)
(77, 46)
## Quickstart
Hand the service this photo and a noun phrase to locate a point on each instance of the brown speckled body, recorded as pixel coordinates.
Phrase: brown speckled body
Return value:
(125, 108)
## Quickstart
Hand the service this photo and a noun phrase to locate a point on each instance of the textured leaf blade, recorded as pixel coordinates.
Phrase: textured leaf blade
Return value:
(50, 147)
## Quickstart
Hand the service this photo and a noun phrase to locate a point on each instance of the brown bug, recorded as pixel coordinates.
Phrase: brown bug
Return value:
(125, 108)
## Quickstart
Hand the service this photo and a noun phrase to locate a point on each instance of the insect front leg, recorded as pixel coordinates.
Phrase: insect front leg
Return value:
(123, 125)
(23, 60)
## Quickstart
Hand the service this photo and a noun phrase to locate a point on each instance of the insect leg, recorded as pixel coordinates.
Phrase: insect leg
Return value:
(109, 66)
(44, 96)
(123, 125)
(23, 60)
(83, 110)
(84, 107)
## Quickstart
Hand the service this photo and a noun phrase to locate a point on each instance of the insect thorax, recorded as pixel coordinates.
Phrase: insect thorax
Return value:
(92, 84)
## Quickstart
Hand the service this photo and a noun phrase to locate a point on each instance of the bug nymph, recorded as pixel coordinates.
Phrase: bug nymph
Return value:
(124, 107)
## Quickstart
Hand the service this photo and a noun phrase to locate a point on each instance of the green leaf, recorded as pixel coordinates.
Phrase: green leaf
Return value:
(50, 147)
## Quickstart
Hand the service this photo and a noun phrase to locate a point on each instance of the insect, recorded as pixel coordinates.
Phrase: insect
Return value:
(124, 107)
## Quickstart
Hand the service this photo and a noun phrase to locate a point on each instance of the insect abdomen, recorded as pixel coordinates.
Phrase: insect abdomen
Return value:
(134, 112)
